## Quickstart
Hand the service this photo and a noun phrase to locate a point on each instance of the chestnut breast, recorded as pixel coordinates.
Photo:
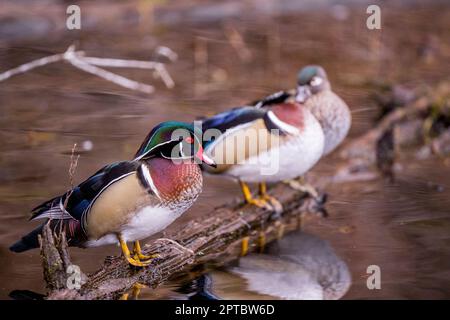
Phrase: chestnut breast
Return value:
(290, 113)
(178, 182)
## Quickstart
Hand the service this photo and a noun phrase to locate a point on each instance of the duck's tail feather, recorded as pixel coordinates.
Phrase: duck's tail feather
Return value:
(75, 234)
(29, 241)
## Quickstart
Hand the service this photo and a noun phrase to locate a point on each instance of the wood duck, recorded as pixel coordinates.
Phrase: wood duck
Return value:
(130, 200)
(314, 92)
(263, 145)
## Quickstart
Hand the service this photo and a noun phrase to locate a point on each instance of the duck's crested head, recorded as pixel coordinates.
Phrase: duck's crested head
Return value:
(311, 80)
(174, 140)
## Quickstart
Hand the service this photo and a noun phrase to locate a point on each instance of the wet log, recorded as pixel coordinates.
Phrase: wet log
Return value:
(214, 240)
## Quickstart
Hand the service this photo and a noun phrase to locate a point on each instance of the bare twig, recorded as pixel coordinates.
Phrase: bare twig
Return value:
(90, 65)
(31, 65)
(166, 52)
(107, 75)
(73, 165)
(120, 63)
(72, 169)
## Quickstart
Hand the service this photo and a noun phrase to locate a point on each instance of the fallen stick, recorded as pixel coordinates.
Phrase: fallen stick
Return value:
(90, 65)
(215, 240)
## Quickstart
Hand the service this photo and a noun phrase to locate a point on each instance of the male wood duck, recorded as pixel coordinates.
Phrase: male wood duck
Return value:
(130, 200)
(263, 145)
(314, 92)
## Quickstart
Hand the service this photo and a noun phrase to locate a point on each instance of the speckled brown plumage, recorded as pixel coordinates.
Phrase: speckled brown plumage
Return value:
(189, 179)
(333, 115)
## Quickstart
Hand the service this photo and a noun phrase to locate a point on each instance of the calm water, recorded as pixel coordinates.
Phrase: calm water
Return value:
(403, 227)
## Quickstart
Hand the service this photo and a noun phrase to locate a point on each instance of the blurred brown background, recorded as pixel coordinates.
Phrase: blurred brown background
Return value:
(229, 53)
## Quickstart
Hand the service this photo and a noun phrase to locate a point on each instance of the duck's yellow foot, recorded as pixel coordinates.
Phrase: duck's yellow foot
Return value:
(134, 261)
(144, 257)
(138, 252)
(137, 262)
(136, 290)
(435, 112)
(274, 202)
(138, 255)
(244, 246)
(263, 195)
(261, 203)
(303, 187)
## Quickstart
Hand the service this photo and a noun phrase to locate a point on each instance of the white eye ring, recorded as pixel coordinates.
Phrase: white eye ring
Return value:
(316, 81)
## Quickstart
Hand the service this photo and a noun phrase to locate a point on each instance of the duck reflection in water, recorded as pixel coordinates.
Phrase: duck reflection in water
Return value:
(299, 266)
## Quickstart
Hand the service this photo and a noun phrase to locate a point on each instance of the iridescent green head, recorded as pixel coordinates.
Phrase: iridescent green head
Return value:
(311, 80)
(174, 140)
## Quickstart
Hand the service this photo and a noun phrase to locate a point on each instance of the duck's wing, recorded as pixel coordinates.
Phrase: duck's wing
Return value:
(73, 203)
(242, 133)
(244, 117)
(275, 98)
(233, 118)
(67, 211)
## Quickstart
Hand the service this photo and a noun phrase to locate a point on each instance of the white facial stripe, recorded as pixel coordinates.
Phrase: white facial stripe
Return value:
(282, 125)
(158, 145)
(182, 155)
(149, 180)
(146, 152)
(181, 150)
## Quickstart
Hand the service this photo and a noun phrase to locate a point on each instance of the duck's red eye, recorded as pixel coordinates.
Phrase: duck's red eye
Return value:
(189, 140)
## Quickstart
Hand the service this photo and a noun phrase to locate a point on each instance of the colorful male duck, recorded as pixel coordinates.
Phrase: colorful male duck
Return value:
(314, 92)
(130, 200)
(263, 145)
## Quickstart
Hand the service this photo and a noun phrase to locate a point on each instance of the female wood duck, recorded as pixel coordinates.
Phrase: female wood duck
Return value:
(263, 145)
(130, 200)
(314, 92)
